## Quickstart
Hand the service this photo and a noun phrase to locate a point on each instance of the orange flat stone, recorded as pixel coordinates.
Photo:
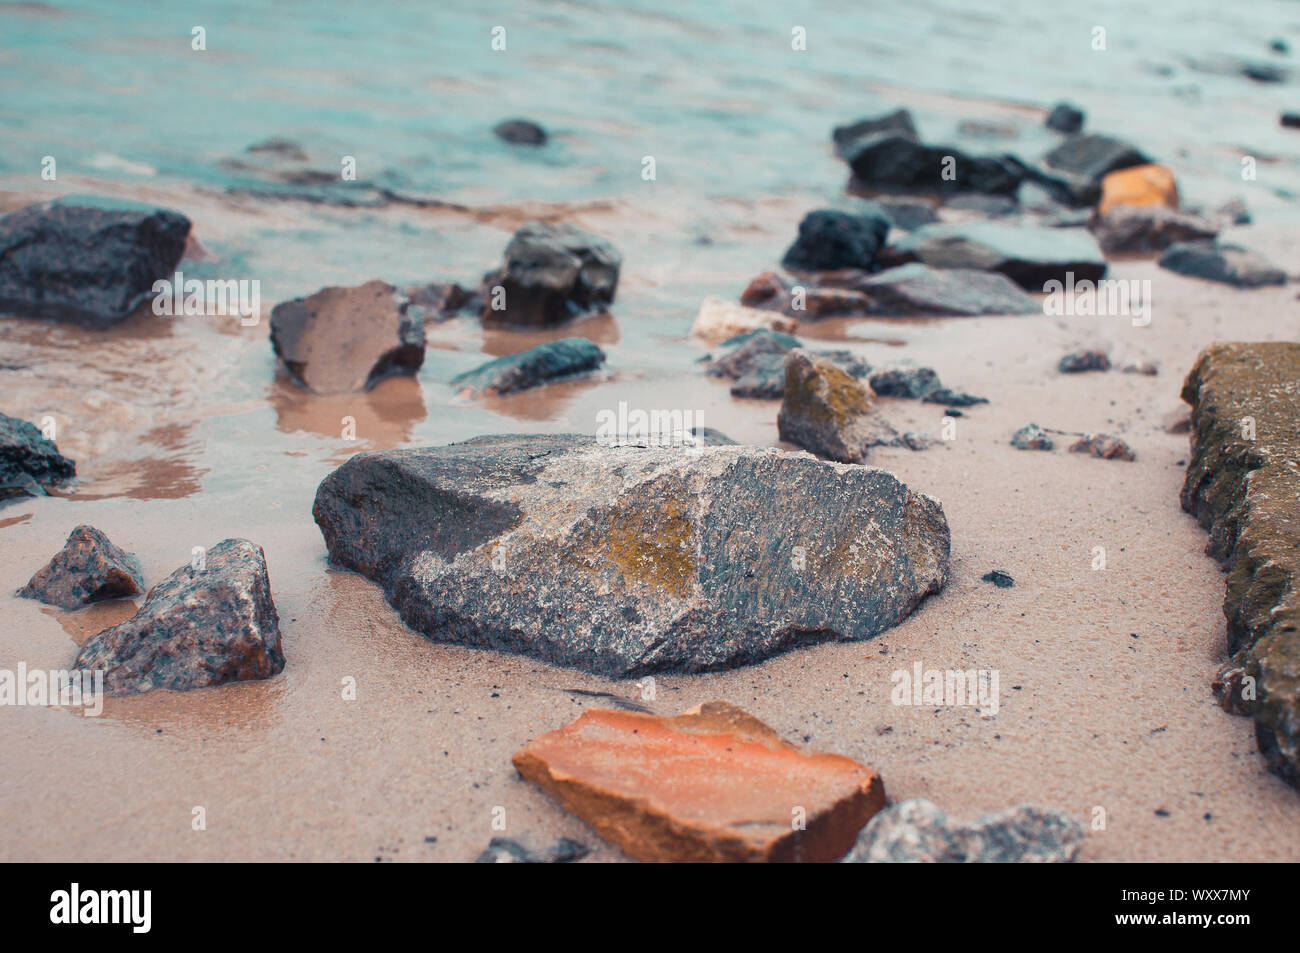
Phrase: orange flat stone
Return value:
(1138, 185)
(711, 784)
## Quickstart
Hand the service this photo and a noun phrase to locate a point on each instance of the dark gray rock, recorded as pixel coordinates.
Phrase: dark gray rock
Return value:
(197, 627)
(1065, 117)
(999, 577)
(908, 214)
(830, 239)
(440, 301)
(917, 289)
(1089, 359)
(1092, 157)
(1289, 120)
(28, 461)
(89, 568)
(623, 560)
(828, 412)
(1229, 264)
(1031, 437)
(1138, 229)
(898, 122)
(552, 273)
(908, 380)
(917, 831)
(744, 353)
(539, 365)
(503, 850)
(990, 206)
(86, 263)
(521, 132)
(895, 160)
(1028, 256)
(341, 340)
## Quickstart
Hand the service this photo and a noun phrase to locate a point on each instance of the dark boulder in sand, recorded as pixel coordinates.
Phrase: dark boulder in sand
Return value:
(1139, 229)
(341, 340)
(89, 568)
(624, 560)
(199, 626)
(29, 462)
(539, 365)
(1228, 264)
(917, 831)
(828, 412)
(92, 264)
(898, 122)
(1028, 256)
(552, 273)
(521, 132)
(1065, 117)
(830, 239)
(917, 289)
(1243, 486)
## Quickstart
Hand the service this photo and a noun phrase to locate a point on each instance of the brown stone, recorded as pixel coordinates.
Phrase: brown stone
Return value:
(712, 784)
(87, 569)
(1138, 185)
(1104, 446)
(762, 289)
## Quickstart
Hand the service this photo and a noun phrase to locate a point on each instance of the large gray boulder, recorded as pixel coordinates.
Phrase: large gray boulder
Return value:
(626, 560)
(90, 264)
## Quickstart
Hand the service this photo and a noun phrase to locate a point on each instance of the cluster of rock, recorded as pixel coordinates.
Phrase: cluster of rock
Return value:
(1104, 446)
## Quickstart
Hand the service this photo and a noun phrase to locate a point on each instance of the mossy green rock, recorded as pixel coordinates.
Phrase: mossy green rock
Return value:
(1243, 485)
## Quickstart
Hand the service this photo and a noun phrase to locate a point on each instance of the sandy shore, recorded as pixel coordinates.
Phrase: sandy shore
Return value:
(1105, 699)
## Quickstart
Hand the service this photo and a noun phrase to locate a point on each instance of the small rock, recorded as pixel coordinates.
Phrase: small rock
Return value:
(905, 379)
(1139, 186)
(87, 569)
(1147, 368)
(728, 796)
(92, 264)
(1031, 437)
(830, 239)
(552, 273)
(1065, 118)
(826, 411)
(898, 122)
(1229, 264)
(1000, 578)
(1075, 168)
(539, 365)
(744, 353)
(1233, 212)
(719, 319)
(766, 287)
(503, 850)
(1086, 360)
(1104, 446)
(908, 214)
(197, 627)
(521, 132)
(280, 148)
(443, 300)
(915, 441)
(1133, 230)
(1289, 120)
(1027, 255)
(1279, 45)
(916, 289)
(29, 463)
(341, 340)
(917, 831)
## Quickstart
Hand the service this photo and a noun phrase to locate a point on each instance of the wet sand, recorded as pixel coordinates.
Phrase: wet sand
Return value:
(184, 434)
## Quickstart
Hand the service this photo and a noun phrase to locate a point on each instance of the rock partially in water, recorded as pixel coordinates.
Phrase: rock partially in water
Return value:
(1228, 264)
(767, 287)
(521, 132)
(1134, 230)
(1031, 437)
(1027, 255)
(622, 560)
(91, 264)
(503, 850)
(917, 831)
(89, 568)
(1065, 117)
(917, 289)
(552, 273)
(1104, 446)
(198, 627)
(1243, 486)
(539, 365)
(830, 239)
(341, 340)
(735, 790)
(1088, 359)
(29, 462)
(1141, 186)
(828, 412)
(898, 122)
(1074, 170)
(441, 300)
(720, 319)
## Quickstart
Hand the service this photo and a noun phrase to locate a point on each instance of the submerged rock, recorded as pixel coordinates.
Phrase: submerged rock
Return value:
(29, 462)
(720, 319)
(917, 289)
(1065, 117)
(340, 340)
(552, 273)
(92, 264)
(1077, 362)
(733, 792)
(1104, 446)
(539, 365)
(199, 626)
(830, 239)
(623, 560)
(521, 132)
(1229, 264)
(1028, 256)
(1134, 230)
(828, 412)
(503, 850)
(1031, 437)
(87, 569)
(917, 831)
(1243, 486)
